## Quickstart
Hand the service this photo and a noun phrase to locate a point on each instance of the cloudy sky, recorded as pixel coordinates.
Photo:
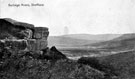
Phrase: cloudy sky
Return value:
(79, 16)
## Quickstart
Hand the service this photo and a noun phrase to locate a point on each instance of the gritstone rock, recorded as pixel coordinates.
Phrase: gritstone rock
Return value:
(20, 36)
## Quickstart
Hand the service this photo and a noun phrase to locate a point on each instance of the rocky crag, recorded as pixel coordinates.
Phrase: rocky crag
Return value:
(22, 36)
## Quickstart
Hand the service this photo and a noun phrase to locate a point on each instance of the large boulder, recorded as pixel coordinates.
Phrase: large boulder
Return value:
(52, 54)
(57, 54)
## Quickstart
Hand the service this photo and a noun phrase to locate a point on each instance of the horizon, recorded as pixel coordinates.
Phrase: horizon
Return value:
(93, 34)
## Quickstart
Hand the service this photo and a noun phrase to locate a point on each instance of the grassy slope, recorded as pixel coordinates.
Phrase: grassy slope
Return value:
(122, 64)
(126, 42)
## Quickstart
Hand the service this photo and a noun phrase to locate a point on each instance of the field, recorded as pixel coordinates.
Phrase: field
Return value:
(77, 52)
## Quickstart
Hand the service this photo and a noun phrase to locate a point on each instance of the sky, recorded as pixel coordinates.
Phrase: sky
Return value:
(77, 16)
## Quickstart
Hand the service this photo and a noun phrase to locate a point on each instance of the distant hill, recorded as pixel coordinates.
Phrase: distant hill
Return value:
(98, 37)
(126, 36)
(60, 41)
(126, 42)
(74, 40)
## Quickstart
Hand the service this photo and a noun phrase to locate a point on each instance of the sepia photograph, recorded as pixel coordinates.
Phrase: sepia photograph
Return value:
(67, 39)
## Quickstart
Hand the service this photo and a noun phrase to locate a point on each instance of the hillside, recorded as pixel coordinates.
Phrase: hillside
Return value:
(74, 40)
(124, 42)
(61, 41)
(99, 37)
(121, 65)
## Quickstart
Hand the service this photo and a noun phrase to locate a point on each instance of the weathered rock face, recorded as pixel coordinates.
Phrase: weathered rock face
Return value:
(22, 36)
(13, 29)
(41, 34)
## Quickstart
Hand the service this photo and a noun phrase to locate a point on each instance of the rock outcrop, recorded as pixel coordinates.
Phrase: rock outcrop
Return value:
(24, 39)
(21, 36)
